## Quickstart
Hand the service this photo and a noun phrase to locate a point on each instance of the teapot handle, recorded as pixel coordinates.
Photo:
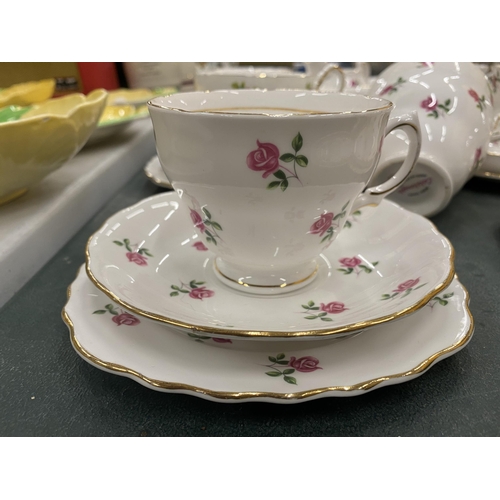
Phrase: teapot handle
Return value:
(327, 70)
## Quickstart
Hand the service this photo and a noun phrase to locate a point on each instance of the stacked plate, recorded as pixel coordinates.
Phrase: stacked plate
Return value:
(385, 306)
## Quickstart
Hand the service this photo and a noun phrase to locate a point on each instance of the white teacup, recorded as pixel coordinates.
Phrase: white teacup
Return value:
(453, 102)
(267, 77)
(268, 178)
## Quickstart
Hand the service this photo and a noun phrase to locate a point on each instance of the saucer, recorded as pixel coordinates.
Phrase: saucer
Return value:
(388, 262)
(222, 370)
(155, 173)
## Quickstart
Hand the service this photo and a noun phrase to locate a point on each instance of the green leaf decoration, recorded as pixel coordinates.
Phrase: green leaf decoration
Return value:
(310, 303)
(119, 243)
(273, 184)
(100, 311)
(344, 207)
(310, 317)
(287, 157)
(174, 287)
(282, 362)
(192, 284)
(326, 319)
(280, 355)
(110, 308)
(385, 296)
(347, 224)
(290, 380)
(302, 161)
(321, 314)
(183, 291)
(146, 252)
(297, 142)
(447, 102)
(272, 359)
(273, 374)
(419, 286)
(357, 212)
(339, 215)
(174, 294)
(375, 263)
(365, 268)
(127, 244)
(217, 226)
(284, 185)
(448, 295)
(280, 174)
(206, 212)
(288, 371)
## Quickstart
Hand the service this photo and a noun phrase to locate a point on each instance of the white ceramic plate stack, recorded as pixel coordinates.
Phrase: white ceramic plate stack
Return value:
(385, 306)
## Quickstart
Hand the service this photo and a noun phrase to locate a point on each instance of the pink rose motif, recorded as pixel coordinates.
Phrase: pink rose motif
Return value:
(429, 104)
(387, 89)
(137, 258)
(200, 246)
(265, 158)
(305, 364)
(333, 307)
(222, 341)
(474, 95)
(477, 155)
(322, 224)
(201, 293)
(407, 284)
(197, 220)
(350, 261)
(125, 319)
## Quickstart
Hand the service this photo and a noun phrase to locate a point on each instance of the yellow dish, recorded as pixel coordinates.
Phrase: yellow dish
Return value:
(24, 94)
(44, 138)
(137, 96)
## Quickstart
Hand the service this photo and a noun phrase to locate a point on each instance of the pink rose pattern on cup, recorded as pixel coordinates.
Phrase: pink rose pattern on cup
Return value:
(403, 289)
(326, 223)
(390, 89)
(480, 101)
(134, 254)
(205, 225)
(477, 159)
(281, 367)
(434, 107)
(266, 159)
(199, 245)
(323, 310)
(193, 290)
(350, 265)
(120, 318)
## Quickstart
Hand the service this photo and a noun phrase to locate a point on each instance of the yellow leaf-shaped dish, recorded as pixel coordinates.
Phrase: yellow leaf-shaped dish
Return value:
(24, 94)
(44, 138)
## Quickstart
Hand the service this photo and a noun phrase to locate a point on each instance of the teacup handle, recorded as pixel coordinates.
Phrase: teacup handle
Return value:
(409, 124)
(329, 68)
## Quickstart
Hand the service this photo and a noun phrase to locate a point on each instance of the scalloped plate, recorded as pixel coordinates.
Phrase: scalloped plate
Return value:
(388, 262)
(228, 371)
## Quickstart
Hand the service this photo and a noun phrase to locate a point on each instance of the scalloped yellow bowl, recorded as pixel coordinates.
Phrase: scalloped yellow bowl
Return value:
(137, 96)
(25, 94)
(43, 138)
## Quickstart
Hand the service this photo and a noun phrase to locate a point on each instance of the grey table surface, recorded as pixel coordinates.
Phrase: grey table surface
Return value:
(46, 389)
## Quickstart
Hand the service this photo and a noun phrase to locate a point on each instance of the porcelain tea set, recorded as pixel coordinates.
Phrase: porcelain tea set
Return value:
(277, 270)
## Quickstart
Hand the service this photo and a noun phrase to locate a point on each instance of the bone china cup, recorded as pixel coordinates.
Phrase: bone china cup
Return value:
(269, 178)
